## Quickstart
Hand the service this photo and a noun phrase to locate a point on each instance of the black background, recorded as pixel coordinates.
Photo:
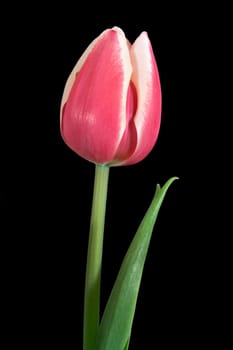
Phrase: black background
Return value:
(46, 189)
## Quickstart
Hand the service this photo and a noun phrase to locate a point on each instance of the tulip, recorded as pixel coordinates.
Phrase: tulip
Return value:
(111, 104)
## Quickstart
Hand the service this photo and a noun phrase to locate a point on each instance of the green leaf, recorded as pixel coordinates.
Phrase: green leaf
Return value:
(116, 324)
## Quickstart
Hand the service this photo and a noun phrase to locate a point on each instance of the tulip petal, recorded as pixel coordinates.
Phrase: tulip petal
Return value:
(146, 80)
(93, 117)
(128, 142)
(76, 69)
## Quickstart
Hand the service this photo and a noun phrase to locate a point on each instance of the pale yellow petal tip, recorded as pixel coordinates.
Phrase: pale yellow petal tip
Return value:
(119, 30)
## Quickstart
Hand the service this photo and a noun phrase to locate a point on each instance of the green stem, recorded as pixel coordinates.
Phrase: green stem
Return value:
(94, 258)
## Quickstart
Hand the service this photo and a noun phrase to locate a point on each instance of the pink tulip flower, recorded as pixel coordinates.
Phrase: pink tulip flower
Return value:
(111, 105)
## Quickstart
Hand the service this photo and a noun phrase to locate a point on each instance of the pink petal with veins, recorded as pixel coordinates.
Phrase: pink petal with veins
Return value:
(93, 115)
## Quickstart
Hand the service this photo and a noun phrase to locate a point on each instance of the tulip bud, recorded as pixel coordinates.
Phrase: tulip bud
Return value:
(111, 105)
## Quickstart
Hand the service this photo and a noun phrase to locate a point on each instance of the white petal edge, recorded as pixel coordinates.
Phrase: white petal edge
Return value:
(80, 62)
(143, 75)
